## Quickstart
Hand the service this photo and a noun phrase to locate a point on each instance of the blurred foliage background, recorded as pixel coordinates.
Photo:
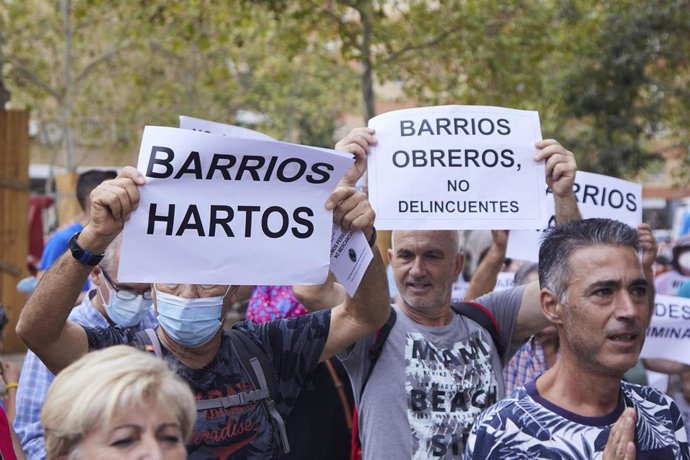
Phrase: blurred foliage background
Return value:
(610, 78)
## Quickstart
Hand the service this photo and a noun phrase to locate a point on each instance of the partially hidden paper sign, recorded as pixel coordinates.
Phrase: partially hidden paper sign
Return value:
(668, 335)
(456, 167)
(597, 196)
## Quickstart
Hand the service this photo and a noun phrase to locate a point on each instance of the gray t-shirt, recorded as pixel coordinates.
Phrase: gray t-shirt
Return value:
(430, 383)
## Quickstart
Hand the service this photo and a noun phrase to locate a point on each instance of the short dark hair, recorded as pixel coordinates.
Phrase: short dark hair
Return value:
(559, 243)
(89, 180)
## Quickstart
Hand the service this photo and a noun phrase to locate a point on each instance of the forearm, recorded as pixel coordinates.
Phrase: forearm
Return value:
(11, 404)
(45, 314)
(484, 278)
(371, 304)
(321, 296)
(362, 314)
(665, 366)
(566, 208)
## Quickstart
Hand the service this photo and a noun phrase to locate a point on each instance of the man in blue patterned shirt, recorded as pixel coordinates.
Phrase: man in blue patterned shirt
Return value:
(130, 307)
(597, 288)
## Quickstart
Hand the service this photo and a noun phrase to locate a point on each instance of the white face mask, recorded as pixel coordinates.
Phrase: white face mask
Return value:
(684, 261)
(190, 322)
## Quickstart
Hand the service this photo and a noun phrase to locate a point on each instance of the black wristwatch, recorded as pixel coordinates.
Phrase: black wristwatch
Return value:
(81, 254)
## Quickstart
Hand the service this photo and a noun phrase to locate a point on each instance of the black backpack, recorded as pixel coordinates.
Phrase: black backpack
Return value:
(474, 311)
(261, 375)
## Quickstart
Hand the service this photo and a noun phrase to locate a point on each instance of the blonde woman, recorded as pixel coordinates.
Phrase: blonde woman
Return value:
(118, 403)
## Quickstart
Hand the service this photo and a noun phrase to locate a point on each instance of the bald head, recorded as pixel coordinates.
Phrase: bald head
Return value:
(449, 238)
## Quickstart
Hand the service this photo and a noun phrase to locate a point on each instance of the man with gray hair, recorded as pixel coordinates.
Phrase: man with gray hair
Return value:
(110, 303)
(597, 288)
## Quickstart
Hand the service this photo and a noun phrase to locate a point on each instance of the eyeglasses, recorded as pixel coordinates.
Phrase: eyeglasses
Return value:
(125, 294)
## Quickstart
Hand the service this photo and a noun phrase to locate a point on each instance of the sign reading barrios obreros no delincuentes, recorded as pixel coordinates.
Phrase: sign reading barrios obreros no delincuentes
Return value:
(457, 167)
(230, 210)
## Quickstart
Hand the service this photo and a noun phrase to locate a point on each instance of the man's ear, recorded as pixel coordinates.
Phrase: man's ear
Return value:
(459, 263)
(96, 275)
(550, 306)
(390, 255)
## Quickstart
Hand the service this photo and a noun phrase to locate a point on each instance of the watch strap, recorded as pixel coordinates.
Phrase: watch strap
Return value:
(82, 255)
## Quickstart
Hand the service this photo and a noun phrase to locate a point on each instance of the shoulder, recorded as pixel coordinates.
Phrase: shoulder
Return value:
(496, 415)
(650, 395)
(505, 298)
(314, 325)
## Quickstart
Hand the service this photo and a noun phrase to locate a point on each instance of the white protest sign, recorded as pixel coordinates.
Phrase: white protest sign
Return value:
(597, 196)
(348, 270)
(213, 127)
(456, 167)
(668, 335)
(224, 210)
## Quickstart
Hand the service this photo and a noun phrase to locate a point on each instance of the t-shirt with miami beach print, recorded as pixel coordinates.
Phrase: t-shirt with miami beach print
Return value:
(244, 432)
(528, 427)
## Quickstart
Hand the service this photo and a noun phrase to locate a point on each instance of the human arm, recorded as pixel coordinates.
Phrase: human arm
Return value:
(560, 168)
(369, 308)
(34, 381)
(320, 296)
(648, 252)
(43, 324)
(484, 278)
(530, 318)
(358, 142)
(10, 375)
(665, 366)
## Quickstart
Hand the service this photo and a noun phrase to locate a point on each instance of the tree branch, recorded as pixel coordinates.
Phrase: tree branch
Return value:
(428, 44)
(24, 72)
(99, 60)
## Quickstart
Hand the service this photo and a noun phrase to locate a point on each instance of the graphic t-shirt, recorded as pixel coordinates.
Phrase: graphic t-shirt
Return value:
(242, 432)
(526, 426)
(430, 383)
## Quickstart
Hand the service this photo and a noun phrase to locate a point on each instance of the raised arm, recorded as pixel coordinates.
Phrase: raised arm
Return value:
(649, 250)
(320, 296)
(484, 278)
(43, 324)
(329, 294)
(560, 171)
(370, 307)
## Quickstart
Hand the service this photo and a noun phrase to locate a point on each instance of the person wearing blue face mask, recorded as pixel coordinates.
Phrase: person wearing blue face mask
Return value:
(191, 336)
(126, 306)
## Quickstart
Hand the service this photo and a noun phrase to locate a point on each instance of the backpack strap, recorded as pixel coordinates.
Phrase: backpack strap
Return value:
(377, 347)
(257, 366)
(150, 341)
(482, 316)
(254, 362)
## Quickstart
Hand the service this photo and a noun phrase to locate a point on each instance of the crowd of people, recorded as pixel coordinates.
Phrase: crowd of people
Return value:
(138, 370)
